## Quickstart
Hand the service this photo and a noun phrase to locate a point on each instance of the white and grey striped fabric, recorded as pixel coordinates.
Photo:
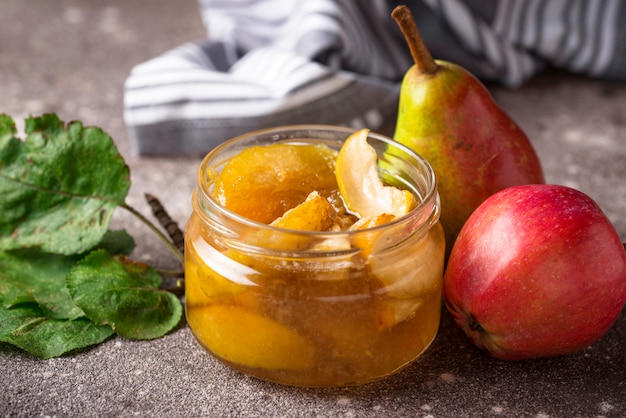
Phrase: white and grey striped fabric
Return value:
(277, 62)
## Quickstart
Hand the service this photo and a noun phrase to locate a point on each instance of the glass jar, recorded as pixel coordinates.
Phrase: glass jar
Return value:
(339, 308)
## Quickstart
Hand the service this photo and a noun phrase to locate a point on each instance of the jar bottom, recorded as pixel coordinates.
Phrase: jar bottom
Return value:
(286, 379)
(347, 360)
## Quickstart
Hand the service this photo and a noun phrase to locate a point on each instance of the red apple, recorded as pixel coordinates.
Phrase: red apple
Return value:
(536, 271)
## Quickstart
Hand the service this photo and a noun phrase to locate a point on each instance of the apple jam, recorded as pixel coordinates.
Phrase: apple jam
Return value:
(314, 308)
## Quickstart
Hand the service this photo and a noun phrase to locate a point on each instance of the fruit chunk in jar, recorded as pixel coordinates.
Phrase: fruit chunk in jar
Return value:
(355, 314)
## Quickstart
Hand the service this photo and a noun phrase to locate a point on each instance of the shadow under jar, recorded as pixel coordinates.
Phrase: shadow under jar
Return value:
(315, 308)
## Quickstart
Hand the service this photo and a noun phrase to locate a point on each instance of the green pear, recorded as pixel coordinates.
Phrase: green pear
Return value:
(446, 115)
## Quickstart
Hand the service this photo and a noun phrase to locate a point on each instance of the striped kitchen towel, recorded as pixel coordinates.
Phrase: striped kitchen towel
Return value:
(279, 62)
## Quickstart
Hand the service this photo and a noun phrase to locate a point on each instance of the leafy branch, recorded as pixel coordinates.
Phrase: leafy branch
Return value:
(66, 281)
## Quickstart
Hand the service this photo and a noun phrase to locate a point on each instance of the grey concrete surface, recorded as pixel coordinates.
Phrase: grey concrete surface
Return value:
(72, 57)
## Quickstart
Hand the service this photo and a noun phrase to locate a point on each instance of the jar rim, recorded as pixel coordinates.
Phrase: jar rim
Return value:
(426, 212)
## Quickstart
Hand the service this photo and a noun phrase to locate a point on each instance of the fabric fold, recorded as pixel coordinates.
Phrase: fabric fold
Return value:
(276, 62)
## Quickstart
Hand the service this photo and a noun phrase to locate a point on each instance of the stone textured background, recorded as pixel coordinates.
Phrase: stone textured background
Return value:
(72, 57)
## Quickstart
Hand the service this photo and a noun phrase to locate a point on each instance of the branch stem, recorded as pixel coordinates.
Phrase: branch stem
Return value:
(170, 273)
(157, 231)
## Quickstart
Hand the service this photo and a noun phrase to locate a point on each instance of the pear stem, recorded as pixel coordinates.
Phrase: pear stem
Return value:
(421, 55)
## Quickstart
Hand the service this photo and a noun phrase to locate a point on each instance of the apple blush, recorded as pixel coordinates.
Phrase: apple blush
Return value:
(536, 271)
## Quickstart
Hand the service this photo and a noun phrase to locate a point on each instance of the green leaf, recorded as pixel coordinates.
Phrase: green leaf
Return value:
(123, 294)
(7, 128)
(59, 186)
(117, 242)
(27, 327)
(33, 276)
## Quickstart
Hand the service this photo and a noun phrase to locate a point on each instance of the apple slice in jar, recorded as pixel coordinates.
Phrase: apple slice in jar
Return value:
(360, 185)
(407, 276)
(283, 247)
(240, 336)
(213, 277)
(314, 214)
